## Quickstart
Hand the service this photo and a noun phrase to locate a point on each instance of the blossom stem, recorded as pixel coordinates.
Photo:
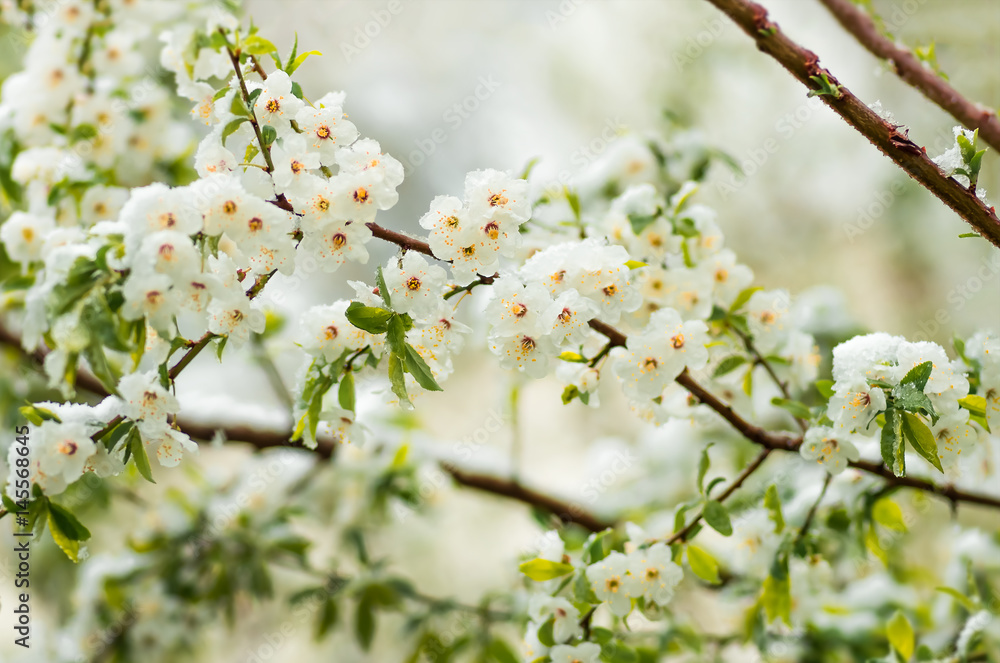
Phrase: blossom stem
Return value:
(909, 68)
(803, 64)
(190, 355)
(812, 510)
(682, 534)
(752, 349)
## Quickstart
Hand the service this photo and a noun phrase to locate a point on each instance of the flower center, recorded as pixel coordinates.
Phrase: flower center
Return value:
(612, 584)
(28, 234)
(677, 341)
(652, 573)
(519, 310)
(361, 195)
(527, 344)
(611, 290)
(492, 229)
(67, 447)
(167, 252)
(413, 283)
(339, 239)
(330, 333)
(498, 200)
(272, 106)
(229, 207)
(323, 132)
(767, 317)
(721, 275)
(451, 222)
(565, 316)
(168, 220)
(322, 204)
(154, 297)
(650, 363)
(297, 167)
(255, 224)
(469, 251)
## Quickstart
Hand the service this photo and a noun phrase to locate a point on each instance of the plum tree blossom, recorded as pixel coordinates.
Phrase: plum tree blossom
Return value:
(166, 234)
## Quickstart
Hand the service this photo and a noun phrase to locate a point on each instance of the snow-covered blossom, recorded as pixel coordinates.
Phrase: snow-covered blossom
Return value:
(145, 401)
(655, 573)
(566, 618)
(235, 317)
(24, 236)
(656, 356)
(325, 331)
(855, 405)
(415, 286)
(612, 582)
(830, 449)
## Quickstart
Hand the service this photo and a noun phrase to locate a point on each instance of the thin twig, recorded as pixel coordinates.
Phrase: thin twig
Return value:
(813, 508)
(803, 64)
(909, 68)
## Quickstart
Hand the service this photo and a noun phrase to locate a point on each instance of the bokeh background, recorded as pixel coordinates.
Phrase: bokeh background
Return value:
(554, 80)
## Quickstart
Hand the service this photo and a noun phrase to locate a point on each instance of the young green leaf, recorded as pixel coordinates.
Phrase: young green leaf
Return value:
(703, 564)
(772, 502)
(703, 465)
(918, 375)
(921, 439)
(418, 368)
(383, 291)
(138, 452)
(728, 365)
(900, 634)
(540, 570)
(396, 378)
(717, 517)
(345, 393)
(371, 319)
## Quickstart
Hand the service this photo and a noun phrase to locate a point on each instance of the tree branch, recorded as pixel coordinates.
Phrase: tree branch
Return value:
(682, 534)
(803, 64)
(784, 442)
(909, 68)
(399, 239)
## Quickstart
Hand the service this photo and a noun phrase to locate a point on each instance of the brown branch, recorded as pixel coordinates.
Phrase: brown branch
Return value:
(399, 239)
(803, 64)
(909, 68)
(784, 442)
(682, 534)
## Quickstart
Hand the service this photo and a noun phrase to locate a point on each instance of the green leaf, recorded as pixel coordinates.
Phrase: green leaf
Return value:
(964, 600)
(232, 127)
(798, 410)
(892, 442)
(67, 523)
(418, 368)
(703, 465)
(743, 298)
(396, 379)
(372, 319)
(396, 335)
(974, 404)
(569, 393)
(918, 375)
(326, 619)
(238, 108)
(888, 514)
(138, 450)
(825, 388)
(37, 415)
(297, 62)
(545, 635)
(776, 598)
(540, 569)
(68, 545)
(383, 291)
(269, 134)
(364, 622)
(100, 367)
(640, 223)
(728, 365)
(345, 393)
(772, 502)
(501, 652)
(703, 564)
(921, 439)
(900, 634)
(717, 517)
(257, 45)
(574, 201)
(635, 264)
